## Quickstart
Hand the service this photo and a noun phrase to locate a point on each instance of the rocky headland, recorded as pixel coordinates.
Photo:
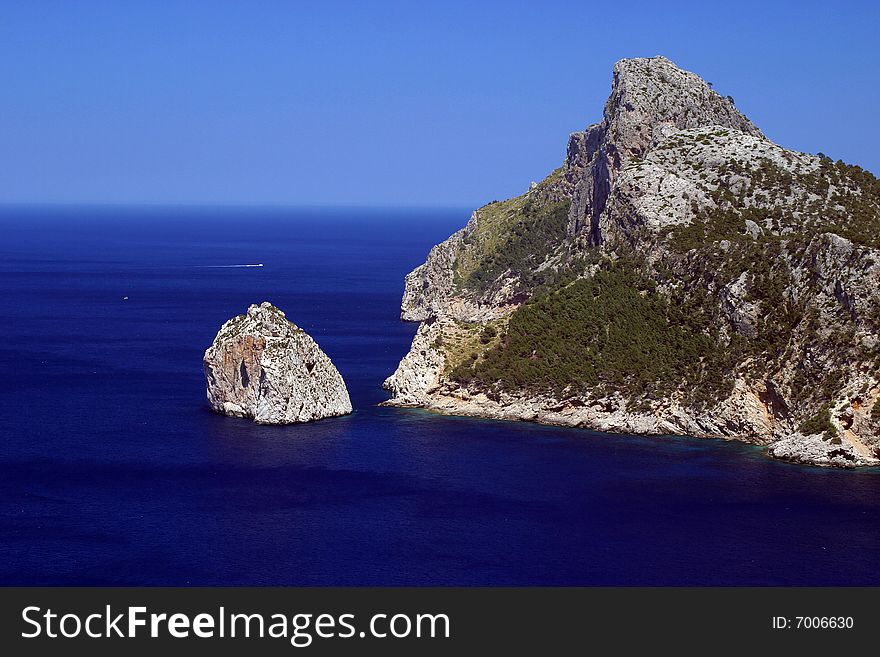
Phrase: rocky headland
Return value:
(678, 274)
(264, 367)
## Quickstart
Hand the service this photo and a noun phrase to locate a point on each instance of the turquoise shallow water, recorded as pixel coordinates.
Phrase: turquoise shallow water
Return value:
(115, 472)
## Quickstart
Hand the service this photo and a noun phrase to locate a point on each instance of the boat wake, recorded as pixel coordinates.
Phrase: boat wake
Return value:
(259, 264)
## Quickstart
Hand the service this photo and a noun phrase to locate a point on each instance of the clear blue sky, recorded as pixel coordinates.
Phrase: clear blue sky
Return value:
(400, 103)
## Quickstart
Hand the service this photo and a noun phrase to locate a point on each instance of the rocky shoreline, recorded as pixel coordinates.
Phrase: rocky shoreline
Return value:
(609, 415)
(797, 448)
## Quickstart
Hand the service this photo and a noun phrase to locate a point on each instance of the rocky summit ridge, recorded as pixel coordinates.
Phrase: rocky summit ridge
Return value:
(678, 274)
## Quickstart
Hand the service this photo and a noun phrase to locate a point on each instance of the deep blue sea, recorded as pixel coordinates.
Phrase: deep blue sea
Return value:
(113, 471)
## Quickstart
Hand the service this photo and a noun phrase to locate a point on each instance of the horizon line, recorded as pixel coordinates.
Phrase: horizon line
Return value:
(238, 204)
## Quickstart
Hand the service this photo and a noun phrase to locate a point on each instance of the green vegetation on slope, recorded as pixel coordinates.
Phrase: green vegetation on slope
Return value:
(531, 236)
(841, 198)
(850, 205)
(820, 423)
(612, 331)
(514, 236)
(836, 198)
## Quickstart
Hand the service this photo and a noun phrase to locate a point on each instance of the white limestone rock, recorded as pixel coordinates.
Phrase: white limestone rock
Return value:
(816, 450)
(264, 367)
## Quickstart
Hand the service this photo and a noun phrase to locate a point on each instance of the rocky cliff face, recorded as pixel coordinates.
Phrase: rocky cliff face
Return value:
(470, 276)
(650, 99)
(264, 367)
(680, 273)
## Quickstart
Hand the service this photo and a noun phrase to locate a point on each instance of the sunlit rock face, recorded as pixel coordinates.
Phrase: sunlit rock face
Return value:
(264, 367)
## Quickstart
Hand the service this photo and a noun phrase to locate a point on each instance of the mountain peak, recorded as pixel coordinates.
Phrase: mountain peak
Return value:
(650, 97)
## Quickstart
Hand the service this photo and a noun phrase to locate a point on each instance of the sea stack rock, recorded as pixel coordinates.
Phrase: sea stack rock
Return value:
(264, 367)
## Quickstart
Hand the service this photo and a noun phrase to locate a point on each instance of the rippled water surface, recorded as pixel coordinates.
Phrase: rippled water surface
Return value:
(113, 470)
